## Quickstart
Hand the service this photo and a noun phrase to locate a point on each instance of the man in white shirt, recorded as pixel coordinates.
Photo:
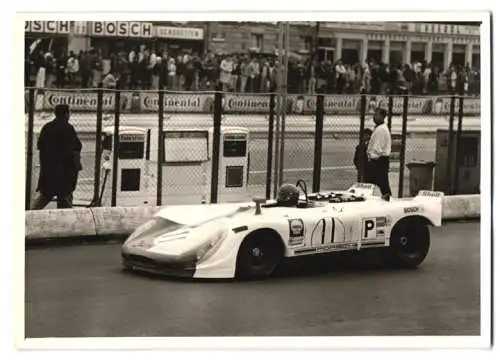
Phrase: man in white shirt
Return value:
(378, 151)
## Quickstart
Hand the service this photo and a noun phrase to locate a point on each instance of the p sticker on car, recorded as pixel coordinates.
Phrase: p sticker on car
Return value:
(370, 227)
(369, 230)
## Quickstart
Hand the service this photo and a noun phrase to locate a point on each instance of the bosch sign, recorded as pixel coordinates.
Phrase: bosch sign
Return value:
(122, 29)
(51, 27)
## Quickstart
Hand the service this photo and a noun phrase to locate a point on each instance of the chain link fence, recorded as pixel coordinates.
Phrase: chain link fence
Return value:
(219, 147)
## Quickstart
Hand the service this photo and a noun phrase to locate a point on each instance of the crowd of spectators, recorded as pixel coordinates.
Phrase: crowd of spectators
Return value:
(252, 73)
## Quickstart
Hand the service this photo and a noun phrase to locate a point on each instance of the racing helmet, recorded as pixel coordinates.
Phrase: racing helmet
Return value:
(288, 195)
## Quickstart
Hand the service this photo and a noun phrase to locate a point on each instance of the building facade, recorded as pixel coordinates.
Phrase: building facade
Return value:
(353, 42)
(400, 43)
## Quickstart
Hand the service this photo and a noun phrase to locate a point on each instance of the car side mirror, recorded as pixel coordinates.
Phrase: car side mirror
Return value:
(258, 202)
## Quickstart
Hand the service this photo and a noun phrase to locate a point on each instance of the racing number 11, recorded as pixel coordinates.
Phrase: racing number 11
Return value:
(322, 225)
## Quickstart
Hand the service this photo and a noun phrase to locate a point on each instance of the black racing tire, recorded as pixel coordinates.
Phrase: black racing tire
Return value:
(259, 255)
(409, 243)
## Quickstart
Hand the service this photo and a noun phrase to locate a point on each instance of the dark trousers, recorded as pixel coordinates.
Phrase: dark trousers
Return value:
(378, 174)
(63, 201)
(363, 174)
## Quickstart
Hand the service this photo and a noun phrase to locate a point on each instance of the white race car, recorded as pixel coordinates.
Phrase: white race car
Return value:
(250, 239)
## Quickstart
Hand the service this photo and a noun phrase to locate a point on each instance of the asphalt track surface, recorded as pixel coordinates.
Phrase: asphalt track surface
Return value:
(81, 291)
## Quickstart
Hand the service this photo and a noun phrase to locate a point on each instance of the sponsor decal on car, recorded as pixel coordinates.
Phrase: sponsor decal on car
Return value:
(372, 228)
(328, 248)
(428, 193)
(412, 209)
(297, 230)
(363, 186)
(240, 229)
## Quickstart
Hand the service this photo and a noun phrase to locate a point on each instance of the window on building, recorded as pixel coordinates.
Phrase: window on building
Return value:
(417, 56)
(395, 57)
(375, 55)
(257, 41)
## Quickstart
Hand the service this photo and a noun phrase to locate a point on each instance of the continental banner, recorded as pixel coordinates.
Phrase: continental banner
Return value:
(147, 101)
(130, 101)
(255, 104)
(78, 101)
(175, 103)
(423, 105)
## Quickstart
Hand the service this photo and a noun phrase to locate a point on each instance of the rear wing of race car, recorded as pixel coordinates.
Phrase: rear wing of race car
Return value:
(430, 195)
(358, 189)
(362, 189)
(433, 202)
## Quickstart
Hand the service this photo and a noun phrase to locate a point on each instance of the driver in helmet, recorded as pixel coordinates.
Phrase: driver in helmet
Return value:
(288, 196)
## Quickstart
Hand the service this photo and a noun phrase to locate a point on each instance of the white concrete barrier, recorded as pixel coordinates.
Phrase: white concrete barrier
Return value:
(62, 223)
(121, 221)
(462, 207)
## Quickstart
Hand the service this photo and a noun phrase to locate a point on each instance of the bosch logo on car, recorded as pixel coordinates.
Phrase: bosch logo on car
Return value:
(413, 209)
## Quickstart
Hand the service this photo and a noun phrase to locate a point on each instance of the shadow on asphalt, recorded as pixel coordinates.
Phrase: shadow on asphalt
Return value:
(307, 266)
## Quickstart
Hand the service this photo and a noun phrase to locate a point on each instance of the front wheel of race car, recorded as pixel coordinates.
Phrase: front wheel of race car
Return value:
(259, 255)
(409, 243)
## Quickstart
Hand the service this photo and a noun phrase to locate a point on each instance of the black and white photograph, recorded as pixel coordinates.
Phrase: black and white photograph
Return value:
(318, 177)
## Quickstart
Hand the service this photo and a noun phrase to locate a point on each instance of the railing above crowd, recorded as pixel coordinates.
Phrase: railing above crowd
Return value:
(197, 141)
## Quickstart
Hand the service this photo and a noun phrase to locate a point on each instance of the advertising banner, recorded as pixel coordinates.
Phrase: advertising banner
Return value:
(78, 101)
(122, 29)
(175, 103)
(423, 105)
(144, 102)
(254, 104)
(131, 101)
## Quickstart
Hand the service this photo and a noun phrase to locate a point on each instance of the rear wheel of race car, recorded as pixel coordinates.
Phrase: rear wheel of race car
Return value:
(409, 244)
(259, 254)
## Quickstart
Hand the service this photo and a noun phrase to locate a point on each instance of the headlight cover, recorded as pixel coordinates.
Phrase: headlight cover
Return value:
(153, 228)
(211, 245)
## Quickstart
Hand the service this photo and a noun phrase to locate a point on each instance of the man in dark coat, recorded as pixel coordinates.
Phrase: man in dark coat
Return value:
(361, 157)
(60, 149)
